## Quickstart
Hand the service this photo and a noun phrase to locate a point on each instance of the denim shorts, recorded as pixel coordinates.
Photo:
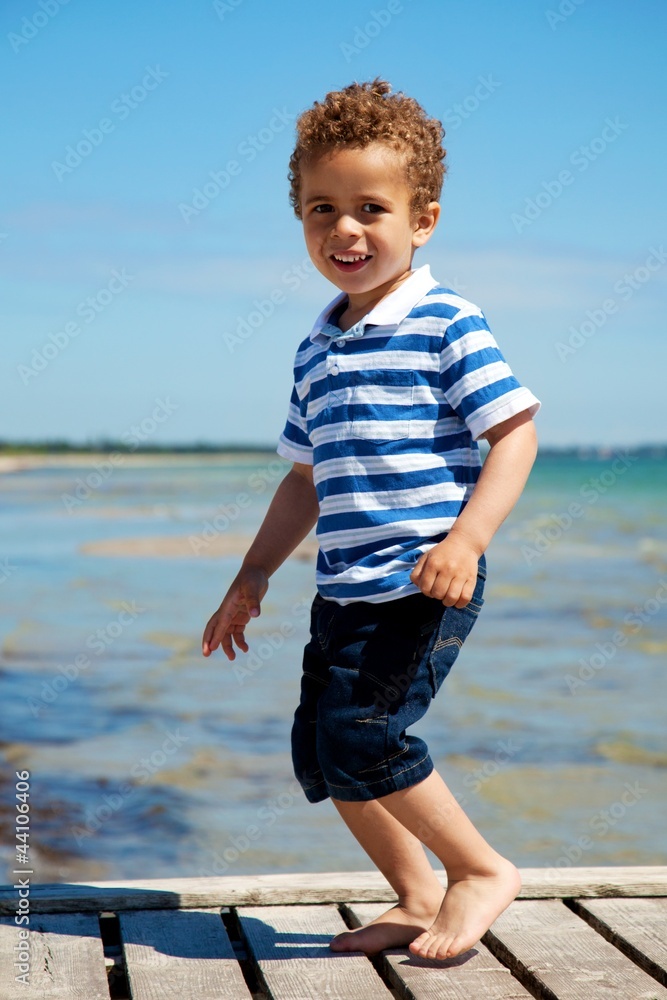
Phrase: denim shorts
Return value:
(369, 672)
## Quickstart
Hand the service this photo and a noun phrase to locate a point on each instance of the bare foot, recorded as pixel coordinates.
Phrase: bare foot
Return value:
(393, 929)
(470, 906)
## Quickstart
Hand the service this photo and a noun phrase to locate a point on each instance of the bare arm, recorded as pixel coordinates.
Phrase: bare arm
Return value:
(449, 570)
(291, 515)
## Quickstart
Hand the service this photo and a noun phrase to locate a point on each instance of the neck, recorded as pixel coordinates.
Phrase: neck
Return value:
(359, 305)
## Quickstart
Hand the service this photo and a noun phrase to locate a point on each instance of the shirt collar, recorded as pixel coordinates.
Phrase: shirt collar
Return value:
(389, 312)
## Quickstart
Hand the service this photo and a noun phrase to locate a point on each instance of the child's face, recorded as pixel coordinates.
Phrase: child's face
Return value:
(359, 229)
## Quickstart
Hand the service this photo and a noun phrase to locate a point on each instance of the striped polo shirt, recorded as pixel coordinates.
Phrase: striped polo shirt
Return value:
(388, 414)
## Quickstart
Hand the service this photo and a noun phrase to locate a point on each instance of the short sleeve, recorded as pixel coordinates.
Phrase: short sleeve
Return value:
(475, 378)
(294, 443)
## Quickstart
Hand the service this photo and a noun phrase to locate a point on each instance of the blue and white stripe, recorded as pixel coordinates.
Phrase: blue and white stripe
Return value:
(390, 420)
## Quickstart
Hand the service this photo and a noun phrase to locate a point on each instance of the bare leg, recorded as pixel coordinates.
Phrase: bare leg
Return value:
(480, 882)
(401, 858)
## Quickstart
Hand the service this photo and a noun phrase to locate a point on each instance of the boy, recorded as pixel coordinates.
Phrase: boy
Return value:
(393, 387)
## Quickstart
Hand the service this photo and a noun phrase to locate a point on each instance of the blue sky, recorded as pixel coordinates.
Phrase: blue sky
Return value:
(120, 290)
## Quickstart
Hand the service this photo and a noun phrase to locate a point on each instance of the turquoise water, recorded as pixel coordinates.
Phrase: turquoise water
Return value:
(148, 760)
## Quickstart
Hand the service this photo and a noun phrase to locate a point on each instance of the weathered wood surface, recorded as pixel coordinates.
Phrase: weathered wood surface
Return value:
(66, 959)
(470, 976)
(290, 945)
(180, 954)
(561, 957)
(585, 948)
(327, 887)
(637, 926)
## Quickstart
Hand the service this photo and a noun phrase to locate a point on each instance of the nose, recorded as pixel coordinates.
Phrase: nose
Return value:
(346, 226)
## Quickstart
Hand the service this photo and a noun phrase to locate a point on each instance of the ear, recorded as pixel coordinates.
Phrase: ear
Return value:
(425, 223)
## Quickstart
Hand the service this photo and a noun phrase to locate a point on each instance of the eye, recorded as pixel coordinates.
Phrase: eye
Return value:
(372, 208)
(323, 208)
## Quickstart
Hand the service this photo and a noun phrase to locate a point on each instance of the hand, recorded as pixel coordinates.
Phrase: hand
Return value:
(448, 571)
(240, 604)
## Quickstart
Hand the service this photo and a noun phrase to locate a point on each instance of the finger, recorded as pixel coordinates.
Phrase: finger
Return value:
(240, 640)
(452, 597)
(217, 627)
(417, 570)
(466, 595)
(430, 581)
(252, 603)
(208, 645)
(227, 647)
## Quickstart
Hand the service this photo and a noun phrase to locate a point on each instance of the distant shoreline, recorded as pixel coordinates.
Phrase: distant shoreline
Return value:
(20, 461)
(23, 456)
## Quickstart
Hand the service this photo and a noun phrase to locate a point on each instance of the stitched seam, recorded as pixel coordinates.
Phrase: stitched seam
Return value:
(315, 784)
(378, 680)
(319, 680)
(364, 784)
(325, 639)
(453, 641)
(374, 767)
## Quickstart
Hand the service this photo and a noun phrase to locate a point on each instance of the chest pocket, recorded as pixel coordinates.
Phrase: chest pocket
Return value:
(380, 405)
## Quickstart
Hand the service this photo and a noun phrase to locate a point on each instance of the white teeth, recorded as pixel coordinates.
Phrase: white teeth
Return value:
(350, 258)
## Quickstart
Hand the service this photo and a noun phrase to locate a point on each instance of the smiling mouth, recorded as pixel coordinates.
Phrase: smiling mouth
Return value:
(350, 261)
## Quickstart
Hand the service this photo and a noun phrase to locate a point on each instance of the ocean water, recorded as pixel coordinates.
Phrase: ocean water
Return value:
(148, 760)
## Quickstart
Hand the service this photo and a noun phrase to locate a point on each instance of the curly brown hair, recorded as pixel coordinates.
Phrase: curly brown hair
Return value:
(368, 112)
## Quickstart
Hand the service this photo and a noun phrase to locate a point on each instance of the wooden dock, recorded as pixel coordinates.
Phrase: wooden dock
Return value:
(573, 934)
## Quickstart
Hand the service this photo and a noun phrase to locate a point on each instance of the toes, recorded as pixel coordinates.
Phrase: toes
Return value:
(340, 942)
(420, 944)
(439, 947)
(457, 947)
(429, 945)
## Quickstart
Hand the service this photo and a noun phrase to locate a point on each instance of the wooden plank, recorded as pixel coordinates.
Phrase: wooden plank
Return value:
(180, 953)
(636, 926)
(304, 887)
(66, 958)
(290, 947)
(474, 974)
(559, 957)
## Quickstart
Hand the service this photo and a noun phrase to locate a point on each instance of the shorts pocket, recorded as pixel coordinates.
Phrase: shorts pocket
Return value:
(324, 614)
(455, 627)
(380, 405)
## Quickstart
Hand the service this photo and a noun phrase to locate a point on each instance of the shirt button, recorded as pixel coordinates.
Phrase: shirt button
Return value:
(334, 369)
(339, 343)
